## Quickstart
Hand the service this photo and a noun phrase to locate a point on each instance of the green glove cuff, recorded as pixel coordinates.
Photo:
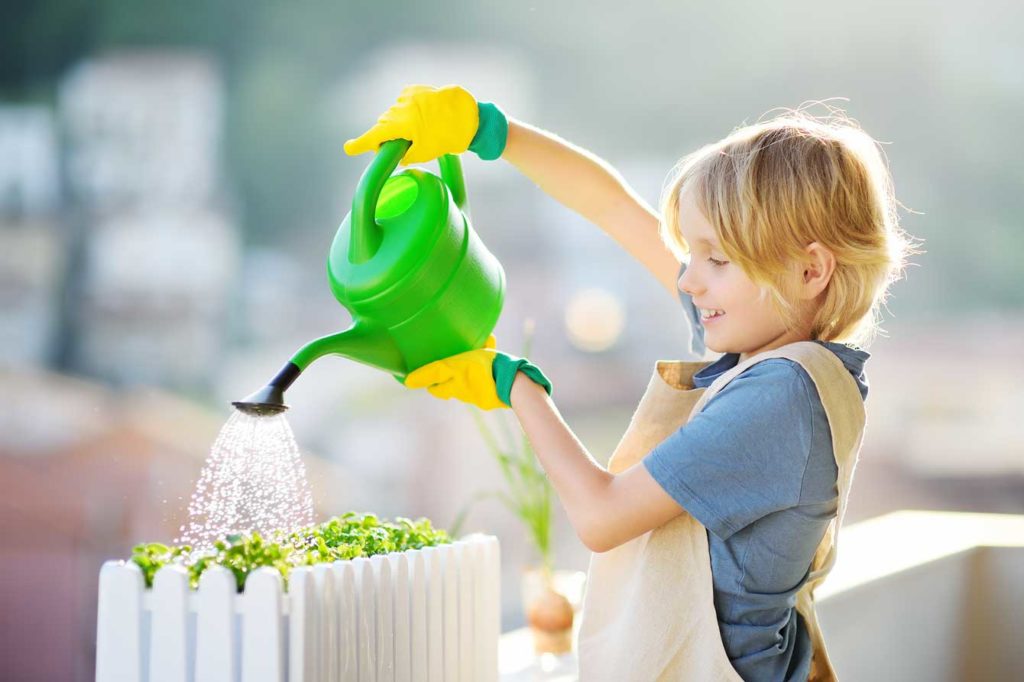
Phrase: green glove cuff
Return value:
(504, 370)
(491, 133)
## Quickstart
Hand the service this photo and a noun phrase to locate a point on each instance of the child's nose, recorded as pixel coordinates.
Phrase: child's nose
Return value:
(686, 283)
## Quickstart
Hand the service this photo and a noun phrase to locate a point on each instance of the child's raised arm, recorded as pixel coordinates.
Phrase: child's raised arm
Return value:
(588, 185)
(449, 120)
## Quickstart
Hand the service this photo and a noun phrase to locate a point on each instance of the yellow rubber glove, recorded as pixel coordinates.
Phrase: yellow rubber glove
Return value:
(436, 120)
(467, 376)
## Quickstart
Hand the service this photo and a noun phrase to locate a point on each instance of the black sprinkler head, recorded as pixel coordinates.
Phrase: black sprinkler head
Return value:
(269, 400)
(255, 406)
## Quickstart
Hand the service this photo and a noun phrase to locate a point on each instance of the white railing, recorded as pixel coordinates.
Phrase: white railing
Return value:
(923, 596)
(930, 596)
(430, 614)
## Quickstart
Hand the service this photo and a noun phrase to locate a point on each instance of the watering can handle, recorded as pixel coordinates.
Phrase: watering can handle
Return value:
(366, 234)
(451, 173)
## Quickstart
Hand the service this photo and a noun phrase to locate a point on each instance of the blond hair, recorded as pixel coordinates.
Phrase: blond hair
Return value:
(772, 188)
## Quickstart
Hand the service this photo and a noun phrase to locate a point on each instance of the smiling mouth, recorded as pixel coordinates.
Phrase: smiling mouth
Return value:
(707, 315)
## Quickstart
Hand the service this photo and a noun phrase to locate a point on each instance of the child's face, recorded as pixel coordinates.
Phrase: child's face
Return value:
(749, 324)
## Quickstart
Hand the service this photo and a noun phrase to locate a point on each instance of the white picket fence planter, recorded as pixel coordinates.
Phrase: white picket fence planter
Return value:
(431, 614)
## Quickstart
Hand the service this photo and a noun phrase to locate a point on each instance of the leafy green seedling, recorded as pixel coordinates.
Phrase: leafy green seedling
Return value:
(340, 538)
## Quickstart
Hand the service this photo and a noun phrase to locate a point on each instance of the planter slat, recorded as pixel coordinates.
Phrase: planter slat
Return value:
(435, 613)
(418, 616)
(480, 621)
(347, 621)
(385, 619)
(302, 627)
(366, 631)
(327, 602)
(466, 584)
(168, 645)
(426, 615)
(262, 642)
(215, 626)
(119, 623)
(450, 555)
(400, 574)
(491, 611)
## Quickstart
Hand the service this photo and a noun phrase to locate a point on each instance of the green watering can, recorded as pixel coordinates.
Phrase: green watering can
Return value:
(406, 263)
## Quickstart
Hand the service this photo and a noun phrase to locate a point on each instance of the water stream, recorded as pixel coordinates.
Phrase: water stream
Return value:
(253, 480)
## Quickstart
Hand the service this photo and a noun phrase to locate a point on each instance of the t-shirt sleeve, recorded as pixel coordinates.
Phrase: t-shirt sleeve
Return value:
(697, 347)
(744, 455)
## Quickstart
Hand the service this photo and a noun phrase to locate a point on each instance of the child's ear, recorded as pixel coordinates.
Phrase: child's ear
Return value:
(818, 267)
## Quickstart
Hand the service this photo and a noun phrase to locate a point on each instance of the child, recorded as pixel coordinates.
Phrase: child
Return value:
(719, 510)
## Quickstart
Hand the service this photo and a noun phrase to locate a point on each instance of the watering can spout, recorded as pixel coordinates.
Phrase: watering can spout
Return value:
(363, 342)
(269, 400)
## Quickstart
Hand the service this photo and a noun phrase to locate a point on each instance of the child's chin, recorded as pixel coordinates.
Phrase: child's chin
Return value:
(714, 347)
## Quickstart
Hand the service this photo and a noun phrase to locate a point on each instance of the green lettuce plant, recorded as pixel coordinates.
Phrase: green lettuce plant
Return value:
(342, 537)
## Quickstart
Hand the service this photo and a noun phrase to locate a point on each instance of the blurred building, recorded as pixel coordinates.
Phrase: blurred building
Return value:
(157, 245)
(31, 248)
(144, 127)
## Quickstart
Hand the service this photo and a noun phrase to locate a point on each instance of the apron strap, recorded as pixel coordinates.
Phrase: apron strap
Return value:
(844, 408)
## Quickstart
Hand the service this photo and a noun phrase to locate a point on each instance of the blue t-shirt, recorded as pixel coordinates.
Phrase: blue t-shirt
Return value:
(756, 468)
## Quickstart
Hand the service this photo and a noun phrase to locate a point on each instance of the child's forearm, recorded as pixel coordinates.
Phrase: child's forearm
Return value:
(571, 175)
(580, 482)
(605, 509)
(591, 187)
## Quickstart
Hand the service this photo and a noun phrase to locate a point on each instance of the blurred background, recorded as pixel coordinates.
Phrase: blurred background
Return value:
(172, 175)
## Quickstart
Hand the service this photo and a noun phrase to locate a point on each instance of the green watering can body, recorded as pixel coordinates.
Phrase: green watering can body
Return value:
(408, 266)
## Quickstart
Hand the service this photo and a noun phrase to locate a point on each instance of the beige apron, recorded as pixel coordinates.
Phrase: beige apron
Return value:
(649, 613)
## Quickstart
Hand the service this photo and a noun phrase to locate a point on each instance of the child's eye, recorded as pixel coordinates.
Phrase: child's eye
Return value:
(718, 263)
